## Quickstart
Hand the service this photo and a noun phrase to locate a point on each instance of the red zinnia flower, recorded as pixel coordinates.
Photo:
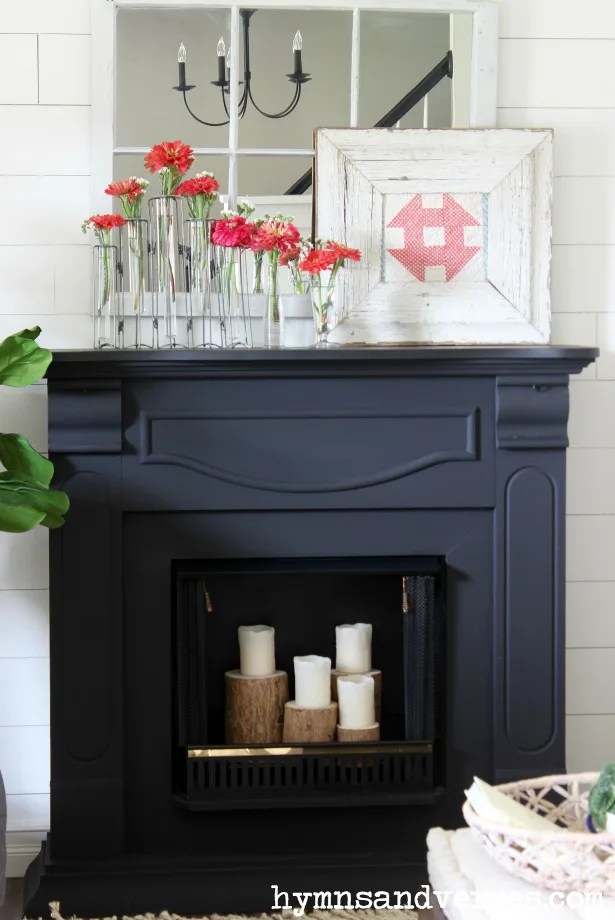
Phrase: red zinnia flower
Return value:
(170, 154)
(128, 188)
(275, 234)
(343, 252)
(105, 221)
(200, 185)
(291, 255)
(233, 232)
(318, 260)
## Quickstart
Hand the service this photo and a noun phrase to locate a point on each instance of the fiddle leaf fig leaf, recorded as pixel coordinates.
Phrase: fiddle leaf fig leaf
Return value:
(22, 360)
(32, 333)
(16, 453)
(25, 497)
(24, 503)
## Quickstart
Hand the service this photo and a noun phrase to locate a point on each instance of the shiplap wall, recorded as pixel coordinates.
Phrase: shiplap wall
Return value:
(554, 72)
(44, 279)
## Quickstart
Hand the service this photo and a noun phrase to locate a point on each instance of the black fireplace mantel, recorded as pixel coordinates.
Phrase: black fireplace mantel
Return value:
(449, 452)
(470, 361)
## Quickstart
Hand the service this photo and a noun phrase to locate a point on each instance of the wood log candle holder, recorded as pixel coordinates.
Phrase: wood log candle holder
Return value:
(377, 675)
(358, 735)
(309, 725)
(255, 707)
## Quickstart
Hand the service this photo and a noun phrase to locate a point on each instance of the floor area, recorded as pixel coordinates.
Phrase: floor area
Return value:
(11, 908)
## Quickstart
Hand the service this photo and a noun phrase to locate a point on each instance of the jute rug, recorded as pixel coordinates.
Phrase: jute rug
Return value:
(391, 914)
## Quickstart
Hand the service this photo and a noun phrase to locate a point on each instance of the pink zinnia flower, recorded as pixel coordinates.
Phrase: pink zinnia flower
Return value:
(275, 234)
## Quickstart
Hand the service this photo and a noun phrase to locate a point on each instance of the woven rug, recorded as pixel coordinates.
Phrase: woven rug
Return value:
(390, 914)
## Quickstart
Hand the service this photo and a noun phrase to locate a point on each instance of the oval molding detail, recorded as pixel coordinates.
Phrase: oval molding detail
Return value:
(85, 618)
(230, 438)
(530, 611)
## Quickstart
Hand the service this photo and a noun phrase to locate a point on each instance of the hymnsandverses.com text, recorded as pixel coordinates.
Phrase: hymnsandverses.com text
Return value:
(302, 902)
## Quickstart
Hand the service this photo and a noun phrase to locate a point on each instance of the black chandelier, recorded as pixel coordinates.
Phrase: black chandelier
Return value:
(298, 77)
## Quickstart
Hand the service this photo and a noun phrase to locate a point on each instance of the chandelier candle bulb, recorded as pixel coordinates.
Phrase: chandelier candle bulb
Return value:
(256, 650)
(181, 63)
(297, 48)
(221, 52)
(312, 681)
(354, 648)
(356, 702)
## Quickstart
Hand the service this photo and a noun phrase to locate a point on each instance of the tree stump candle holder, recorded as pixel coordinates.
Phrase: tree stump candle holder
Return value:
(309, 726)
(255, 707)
(358, 735)
(377, 675)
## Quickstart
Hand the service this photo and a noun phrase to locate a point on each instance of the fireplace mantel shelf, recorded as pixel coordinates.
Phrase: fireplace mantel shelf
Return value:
(389, 362)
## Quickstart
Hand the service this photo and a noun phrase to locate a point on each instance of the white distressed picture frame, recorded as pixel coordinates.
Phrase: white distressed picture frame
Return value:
(360, 172)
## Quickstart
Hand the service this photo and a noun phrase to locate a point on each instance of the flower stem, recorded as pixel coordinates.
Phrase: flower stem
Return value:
(258, 273)
(272, 293)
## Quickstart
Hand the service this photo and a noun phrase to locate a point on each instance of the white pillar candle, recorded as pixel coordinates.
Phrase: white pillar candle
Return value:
(354, 648)
(256, 650)
(312, 681)
(355, 696)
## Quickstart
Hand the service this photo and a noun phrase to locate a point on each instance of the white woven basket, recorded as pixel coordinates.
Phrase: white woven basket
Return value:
(573, 861)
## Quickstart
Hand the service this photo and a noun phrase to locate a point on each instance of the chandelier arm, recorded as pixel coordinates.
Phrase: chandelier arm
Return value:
(228, 114)
(209, 124)
(290, 108)
(242, 105)
(245, 97)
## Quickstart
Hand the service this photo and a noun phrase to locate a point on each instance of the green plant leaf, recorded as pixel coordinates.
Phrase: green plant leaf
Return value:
(17, 454)
(602, 796)
(16, 517)
(22, 361)
(25, 503)
(32, 333)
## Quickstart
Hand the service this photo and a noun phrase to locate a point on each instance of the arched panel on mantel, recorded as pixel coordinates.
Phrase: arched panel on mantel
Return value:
(530, 610)
(85, 619)
(86, 649)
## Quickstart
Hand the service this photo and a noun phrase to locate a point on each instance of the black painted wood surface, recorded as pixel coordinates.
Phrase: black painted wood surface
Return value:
(457, 453)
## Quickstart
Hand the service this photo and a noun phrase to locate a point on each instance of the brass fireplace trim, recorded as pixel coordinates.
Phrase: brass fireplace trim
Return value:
(289, 750)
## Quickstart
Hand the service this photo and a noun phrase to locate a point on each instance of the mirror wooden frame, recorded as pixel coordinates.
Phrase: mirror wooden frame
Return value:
(484, 65)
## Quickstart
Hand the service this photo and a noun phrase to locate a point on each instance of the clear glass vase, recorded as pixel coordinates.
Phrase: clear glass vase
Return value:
(235, 320)
(166, 225)
(323, 306)
(301, 282)
(273, 319)
(107, 323)
(133, 260)
(203, 280)
(257, 274)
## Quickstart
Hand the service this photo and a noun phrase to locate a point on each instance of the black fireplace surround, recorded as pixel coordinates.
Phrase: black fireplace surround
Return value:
(191, 475)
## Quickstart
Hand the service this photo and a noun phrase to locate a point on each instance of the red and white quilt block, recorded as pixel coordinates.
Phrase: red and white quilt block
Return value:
(435, 238)
(454, 228)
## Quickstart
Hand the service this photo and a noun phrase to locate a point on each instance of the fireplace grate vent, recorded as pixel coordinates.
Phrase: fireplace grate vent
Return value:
(226, 778)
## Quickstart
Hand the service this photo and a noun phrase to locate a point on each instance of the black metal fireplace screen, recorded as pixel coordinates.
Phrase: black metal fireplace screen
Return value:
(304, 600)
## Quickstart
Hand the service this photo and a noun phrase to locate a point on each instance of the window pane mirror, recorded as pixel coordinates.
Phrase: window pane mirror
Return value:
(397, 51)
(147, 47)
(331, 68)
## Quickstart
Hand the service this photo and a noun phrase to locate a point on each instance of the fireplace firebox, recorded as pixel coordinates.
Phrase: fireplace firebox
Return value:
(304, 600)
(420, 490)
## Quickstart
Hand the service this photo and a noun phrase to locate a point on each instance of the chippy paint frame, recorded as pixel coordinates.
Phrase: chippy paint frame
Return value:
(357, 169)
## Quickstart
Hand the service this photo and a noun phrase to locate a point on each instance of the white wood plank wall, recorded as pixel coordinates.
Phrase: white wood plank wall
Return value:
(44, 279)
(555, 71)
